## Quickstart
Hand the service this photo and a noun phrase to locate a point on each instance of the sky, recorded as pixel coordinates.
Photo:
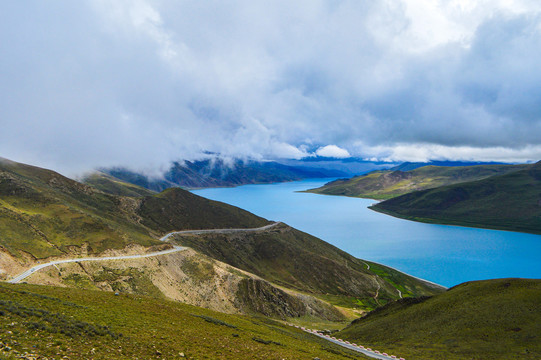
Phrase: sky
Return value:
(88, 84)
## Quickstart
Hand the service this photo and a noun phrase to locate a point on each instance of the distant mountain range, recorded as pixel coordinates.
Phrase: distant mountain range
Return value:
(217, 172)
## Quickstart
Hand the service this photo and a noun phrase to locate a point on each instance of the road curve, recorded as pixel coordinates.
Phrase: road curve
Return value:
(218, 231)
(32, 270)
(365, 351)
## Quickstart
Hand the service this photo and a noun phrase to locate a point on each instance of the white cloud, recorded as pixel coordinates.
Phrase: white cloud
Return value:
(141, 83)
(426, 152)
(332, 151)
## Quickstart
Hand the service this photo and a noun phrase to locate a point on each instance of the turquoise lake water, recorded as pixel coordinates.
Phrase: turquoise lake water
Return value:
(447, 255)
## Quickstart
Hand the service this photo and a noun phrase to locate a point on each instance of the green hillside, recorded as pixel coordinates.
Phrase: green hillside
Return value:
(494, 319)
(507, 202)
(43, 214)
(391, 183)
(296, 260)
(62, 323)
(111, 185)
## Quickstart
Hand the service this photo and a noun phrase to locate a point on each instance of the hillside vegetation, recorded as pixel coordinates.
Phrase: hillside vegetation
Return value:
(111, 185)
(299, 261)
(51, 322)
(391, 183)
(493, 319)
(44, 214)
(508, 202)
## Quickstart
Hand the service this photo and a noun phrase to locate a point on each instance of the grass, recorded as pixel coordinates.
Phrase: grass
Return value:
(111, 185)
(506, 202)
(494, 319)
(384, 185)
(57, 322)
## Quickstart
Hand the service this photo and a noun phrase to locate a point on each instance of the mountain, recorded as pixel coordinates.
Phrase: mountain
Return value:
(347, 167)
(111, 185)
(295, 260)
(280, 272)
(493, 319)
(44, 214)
(507, 202)
(391, 183)
(46, 322)
(407, 166)
(217, 172)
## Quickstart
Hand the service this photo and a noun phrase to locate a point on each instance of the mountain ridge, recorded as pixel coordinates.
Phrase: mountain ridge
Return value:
(510, 201)
(383, 185)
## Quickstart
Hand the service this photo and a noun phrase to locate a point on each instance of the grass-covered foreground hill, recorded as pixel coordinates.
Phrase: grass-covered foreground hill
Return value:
(508, 202)
(391, 183)
(493, 319)
(61, 323)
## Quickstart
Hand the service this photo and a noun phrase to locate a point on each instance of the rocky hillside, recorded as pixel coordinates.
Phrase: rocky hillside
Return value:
(299, 261)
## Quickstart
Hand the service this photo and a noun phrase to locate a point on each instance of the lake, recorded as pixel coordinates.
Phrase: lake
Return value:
(447, 255)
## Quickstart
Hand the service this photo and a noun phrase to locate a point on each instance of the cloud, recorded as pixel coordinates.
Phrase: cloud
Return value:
(141, 84)
(423, 153)
(332, 151)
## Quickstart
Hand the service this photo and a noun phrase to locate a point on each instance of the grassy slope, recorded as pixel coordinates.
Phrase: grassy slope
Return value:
(109, 184)
(508, 202)
(57, 322)
(296, 260)
(177, 209)
(388, 184)
(494, 319)
(43, 213)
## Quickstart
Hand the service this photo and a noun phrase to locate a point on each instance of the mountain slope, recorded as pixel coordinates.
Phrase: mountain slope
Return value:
(507, 202)
(296, 260)
(51, 322)
(216, 172)
(391, 183)
(493, 319)
(111, 185)
(43, 214)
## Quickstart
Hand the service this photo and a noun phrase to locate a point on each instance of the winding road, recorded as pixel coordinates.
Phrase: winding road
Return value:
(175, 249)
(368, 352)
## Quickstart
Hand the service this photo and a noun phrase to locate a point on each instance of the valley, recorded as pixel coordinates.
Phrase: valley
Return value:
(192, 251)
